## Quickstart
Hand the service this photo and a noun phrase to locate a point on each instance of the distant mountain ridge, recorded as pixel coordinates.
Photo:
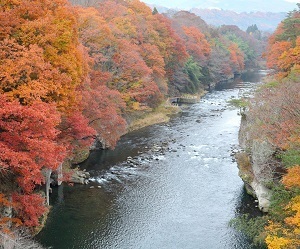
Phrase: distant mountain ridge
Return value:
(266, 21)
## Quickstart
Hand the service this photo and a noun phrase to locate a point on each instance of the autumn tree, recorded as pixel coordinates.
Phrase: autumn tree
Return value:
(290, 57)
(136, 65)
(197, 45)
(250, 46)
(42, 68)
(28, 145)
(280, 126)
(274, 117)
(47, 31)
(103, 108)
(283, 47)
(275, 53)
(285, 234)
(220, 63)
(236, 58)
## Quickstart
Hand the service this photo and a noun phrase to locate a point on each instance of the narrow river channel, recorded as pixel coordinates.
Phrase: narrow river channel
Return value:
(178, 189)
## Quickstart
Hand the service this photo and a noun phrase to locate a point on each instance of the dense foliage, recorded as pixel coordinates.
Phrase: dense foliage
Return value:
(71, 74)
(274, 116)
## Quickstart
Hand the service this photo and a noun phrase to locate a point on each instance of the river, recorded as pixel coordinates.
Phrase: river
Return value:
(168, 186)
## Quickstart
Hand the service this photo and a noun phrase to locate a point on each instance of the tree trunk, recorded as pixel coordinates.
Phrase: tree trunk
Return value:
(59, 175)
(47, 180)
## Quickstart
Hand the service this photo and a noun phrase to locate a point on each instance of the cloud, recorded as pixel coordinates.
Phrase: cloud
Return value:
(292, 1)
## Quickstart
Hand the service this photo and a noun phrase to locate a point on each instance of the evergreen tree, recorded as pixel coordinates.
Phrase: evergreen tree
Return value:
(155, 11)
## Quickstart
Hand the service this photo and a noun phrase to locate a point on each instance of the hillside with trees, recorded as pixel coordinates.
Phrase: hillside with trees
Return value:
(270, 132)
(73, 74)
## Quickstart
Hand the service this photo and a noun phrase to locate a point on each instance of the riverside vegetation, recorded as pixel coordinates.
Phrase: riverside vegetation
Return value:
(269, 135)
(71, 75)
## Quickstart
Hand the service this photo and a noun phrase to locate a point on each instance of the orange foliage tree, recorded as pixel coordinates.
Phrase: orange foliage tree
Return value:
(286, 234)
(197, 45)
(236, 57)
(41, 57)
(47, 31)
(284, 45)
(119, 54)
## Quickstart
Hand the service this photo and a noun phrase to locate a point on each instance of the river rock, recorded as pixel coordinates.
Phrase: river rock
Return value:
(77, 179)
(80, 177)
(263, 195)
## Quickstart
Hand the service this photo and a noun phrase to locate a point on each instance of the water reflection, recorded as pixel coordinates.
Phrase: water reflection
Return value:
(246, 204)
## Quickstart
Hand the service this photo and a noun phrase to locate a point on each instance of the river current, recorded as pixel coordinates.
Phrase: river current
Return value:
(168, 186)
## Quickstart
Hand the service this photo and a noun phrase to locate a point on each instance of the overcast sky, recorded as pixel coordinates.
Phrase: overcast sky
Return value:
(235, 5)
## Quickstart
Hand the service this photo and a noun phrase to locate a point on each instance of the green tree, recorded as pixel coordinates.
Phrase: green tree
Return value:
(193, 70)
(155, 11)
(252, 28)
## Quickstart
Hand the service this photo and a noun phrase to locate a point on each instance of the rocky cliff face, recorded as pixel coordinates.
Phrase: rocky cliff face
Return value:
(256, 164)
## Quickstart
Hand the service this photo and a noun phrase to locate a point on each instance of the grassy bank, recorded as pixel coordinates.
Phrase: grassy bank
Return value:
(161, 114)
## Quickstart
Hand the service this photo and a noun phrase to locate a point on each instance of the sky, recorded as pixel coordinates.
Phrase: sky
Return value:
(235, 5)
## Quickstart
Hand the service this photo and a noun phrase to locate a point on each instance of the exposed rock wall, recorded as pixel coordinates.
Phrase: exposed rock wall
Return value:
(256, 165)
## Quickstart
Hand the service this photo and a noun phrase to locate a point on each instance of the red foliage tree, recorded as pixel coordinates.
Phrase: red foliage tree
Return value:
(197, 45)
(103, 108)
(30, 207)
(28, 141)
(28, 144)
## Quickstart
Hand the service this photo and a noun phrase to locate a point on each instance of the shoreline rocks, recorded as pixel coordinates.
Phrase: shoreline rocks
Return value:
(80, 177)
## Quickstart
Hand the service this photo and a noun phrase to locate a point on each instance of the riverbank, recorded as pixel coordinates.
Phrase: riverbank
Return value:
(257, 158)
(171, 185)
(163, 113)
(138, 120)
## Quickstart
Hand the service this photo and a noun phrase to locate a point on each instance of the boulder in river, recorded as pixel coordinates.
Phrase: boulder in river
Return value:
(80, 177)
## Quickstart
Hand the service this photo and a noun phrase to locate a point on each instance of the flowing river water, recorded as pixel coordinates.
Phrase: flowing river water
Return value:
(168, 186)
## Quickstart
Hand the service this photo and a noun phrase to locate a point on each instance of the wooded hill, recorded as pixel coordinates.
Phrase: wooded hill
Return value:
(69, 74)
